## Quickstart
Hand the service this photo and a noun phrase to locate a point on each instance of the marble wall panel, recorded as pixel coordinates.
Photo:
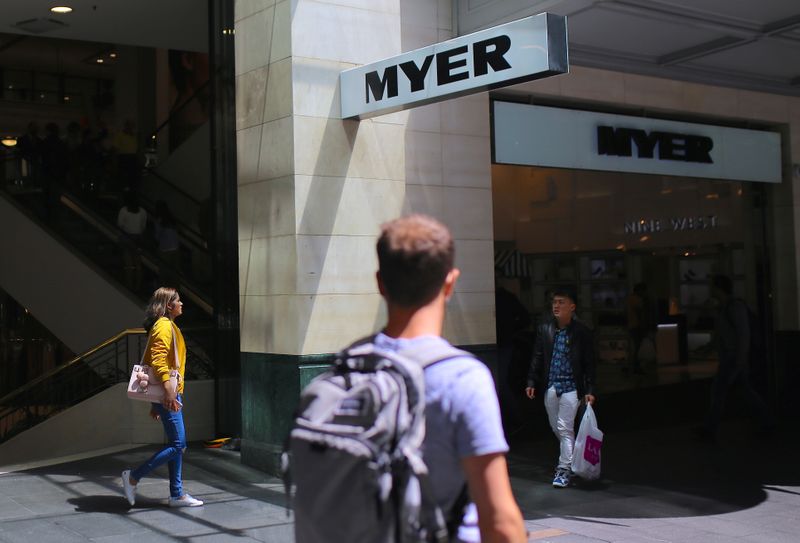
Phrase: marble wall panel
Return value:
(278, 94)
(281, 32)
(273, 267)
(345, 206)
(424, 159)
(251, 89)
(253, 40)
(336, 320)
(248, 149)
(276, 157)
(595, 85)
(468, 212)
(466, 116)
(762, 106)
(476, 260)
(470, 318)
(316, 87)
(335, 32)
(467, 161)
(336, 265)
(246, 8)
(425, 199)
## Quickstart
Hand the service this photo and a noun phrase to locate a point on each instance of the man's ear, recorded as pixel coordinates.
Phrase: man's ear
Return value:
(450, 282)
(381, 288)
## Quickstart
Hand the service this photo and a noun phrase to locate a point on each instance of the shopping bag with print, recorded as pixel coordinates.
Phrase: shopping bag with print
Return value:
(586, 454)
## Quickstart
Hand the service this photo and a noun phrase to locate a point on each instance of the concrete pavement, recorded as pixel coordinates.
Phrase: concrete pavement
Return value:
(658, 485)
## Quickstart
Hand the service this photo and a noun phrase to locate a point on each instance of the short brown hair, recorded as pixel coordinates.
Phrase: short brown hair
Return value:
(415, 254)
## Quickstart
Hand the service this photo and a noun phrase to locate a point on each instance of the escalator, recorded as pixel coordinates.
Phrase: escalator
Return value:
(80, 405)
(69, 264)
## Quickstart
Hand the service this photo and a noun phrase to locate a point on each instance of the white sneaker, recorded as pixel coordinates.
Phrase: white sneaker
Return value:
(185, 501)
(128, 488)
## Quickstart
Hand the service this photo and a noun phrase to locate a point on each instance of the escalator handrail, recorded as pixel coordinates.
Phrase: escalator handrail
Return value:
(28, 386)
(178, 109)
(115, 234)
(175, 187)
(192, 236)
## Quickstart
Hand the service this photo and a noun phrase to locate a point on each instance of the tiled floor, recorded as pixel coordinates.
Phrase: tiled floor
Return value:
(658, 485)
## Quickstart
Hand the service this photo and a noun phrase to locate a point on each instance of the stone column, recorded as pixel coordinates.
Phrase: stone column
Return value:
(314, 189)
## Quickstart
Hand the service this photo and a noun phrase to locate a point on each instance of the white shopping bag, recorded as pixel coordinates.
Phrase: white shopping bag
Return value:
(586, 454)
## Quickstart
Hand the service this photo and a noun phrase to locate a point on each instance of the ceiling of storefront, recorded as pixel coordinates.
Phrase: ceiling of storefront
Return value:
(750, 44)
(168, 24)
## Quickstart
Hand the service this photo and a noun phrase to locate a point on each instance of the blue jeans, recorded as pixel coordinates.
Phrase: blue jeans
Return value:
(171, 454)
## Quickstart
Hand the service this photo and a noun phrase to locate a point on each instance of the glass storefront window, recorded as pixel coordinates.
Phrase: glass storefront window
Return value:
(604, 233)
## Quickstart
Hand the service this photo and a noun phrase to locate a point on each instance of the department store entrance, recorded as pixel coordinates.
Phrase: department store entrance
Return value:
(640, 251)
(632, 247)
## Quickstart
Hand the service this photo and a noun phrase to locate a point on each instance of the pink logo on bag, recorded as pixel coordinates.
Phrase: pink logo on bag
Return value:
(592, 451)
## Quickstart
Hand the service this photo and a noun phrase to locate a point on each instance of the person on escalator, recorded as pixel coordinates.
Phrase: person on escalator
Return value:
(132, 220)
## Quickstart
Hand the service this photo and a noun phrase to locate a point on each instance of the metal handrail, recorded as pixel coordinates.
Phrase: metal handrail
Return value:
(24, 388)
(70, 383)
(116, 235)
(179, 109)
(187, 234)
(176, 188)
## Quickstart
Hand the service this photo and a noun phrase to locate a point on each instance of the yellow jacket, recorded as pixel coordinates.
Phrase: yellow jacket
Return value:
(160, 354)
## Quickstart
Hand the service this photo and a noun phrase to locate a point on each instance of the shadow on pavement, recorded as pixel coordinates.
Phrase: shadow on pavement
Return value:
(111, 504)
(661, 473)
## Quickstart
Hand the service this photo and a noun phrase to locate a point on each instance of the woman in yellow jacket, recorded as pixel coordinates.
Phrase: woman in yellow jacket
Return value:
(166, 351)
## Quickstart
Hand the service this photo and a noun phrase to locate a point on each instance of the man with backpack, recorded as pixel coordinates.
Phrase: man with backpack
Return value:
(737, 339)
(454, 485)
(562, 371)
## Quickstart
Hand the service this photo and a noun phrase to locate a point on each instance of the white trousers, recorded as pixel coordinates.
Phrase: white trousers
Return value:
(561, 411)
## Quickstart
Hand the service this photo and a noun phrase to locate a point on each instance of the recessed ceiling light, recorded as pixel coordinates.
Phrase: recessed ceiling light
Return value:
(99, 60)
(61, 9)
(112, 55)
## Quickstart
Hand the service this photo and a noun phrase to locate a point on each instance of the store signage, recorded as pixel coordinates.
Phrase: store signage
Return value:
(523, 50)
(566, 138)
(671, 146)
(673, 224)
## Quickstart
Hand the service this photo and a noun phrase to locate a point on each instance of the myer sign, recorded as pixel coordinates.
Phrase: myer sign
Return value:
(564, 138)
(523, 50)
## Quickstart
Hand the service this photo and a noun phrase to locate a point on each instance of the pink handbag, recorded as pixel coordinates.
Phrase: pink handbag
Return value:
(144, 384)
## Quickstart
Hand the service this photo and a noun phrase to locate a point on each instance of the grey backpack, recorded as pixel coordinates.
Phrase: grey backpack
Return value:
(354, 451)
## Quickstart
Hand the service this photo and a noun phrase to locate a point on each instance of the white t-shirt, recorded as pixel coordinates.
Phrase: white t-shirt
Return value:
(132, 223)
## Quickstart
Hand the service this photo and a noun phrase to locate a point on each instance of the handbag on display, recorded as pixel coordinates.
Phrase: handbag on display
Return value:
(144, 384)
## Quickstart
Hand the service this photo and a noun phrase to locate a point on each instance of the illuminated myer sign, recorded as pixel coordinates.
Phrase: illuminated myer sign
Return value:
(523, 50)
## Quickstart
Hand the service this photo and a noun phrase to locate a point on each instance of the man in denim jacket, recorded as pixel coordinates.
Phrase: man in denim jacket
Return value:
(563, 370)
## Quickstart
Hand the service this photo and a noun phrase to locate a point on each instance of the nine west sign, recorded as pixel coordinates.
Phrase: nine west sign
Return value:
(523, 50)
(565, 138)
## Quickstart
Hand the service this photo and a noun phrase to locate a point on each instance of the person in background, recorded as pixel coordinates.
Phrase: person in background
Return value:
(166, 350)
(511, 319)
(126, 146)
(563, 371)
(168, 244)
(132, 220)
(640, 323)
(734, 340)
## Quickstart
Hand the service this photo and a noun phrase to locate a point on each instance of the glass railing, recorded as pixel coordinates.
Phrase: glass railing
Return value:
(136, 267)
(81, 378)
(88, 223)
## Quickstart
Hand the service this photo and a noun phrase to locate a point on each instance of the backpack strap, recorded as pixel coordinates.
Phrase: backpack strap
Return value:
(427, 355)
